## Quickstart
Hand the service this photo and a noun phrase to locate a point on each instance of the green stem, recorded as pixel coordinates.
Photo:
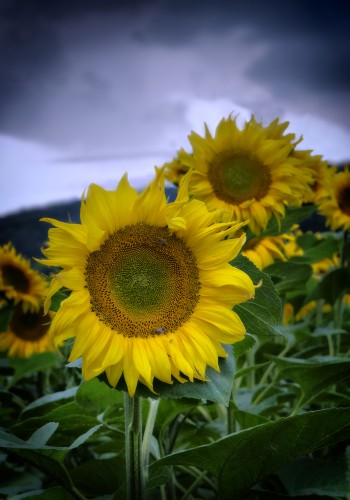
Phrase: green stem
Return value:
(148, 433)
(343, 262)
(135, 480)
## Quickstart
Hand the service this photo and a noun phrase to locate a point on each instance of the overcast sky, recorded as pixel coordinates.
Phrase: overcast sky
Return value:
(89, 90)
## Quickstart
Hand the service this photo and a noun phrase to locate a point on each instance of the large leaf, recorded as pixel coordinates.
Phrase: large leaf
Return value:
(95, 396)
(293, 216)
(314, 375)
(289, 276)
(241, 460)
(316, 476)
(262, 314)
(72, 419)
(35, 363)
(335, 284)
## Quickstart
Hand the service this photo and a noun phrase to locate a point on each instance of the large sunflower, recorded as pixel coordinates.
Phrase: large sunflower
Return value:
(18, 281)
(152, 290)
(27, 333)
(336, 205)
(251, 173)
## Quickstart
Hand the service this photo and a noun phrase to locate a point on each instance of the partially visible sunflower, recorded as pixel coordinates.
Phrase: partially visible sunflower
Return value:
(336, 206)
(152, 289)
(27, 333)
(251, 173)
(18, 281)
(266, 250)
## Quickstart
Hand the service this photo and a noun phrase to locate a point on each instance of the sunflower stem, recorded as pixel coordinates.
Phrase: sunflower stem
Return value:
(148, 433)
(135, 480)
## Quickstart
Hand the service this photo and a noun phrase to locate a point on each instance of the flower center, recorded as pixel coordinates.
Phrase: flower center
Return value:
(143, 281)
(29, 326)
(12, 276)
(344, 201)
(238, 176)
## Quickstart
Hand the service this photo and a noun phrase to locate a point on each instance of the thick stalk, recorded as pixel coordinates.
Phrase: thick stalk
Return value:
(133, 440)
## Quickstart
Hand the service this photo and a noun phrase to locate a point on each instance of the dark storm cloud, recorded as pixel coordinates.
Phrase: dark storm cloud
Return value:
(307, 55)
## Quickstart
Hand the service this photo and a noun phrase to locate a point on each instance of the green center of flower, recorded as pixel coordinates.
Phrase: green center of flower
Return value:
(238, 176)
(143, 281)
(15, 277)
(29, 326)
(344, 201)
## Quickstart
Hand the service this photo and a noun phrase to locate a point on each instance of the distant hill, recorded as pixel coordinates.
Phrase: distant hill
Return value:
(27, 234)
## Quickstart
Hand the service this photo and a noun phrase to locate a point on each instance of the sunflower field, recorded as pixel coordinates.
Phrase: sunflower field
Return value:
(186, 347)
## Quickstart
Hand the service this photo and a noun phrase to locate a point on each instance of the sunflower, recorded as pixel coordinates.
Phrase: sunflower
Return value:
(27, 333)
(152, 289)
(266, 250)
(18, 281)
(251, 173)
(336, 206)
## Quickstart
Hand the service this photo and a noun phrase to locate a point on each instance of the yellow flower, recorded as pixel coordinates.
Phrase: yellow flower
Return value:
(251, 173)
(27, 333)
(18, 281)
(336, 206)
(152, 290)
(266, 250)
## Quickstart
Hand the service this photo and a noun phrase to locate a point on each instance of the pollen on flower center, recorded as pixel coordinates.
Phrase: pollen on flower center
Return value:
(29, 326)
(238, 176)
(143, 281)
(344, 201)
(12, 276)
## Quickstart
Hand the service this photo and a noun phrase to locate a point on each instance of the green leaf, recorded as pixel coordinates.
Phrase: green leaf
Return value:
(314, 375)
(35, 363)
(335, 284)
(293, 216)
(56, 300)
(217, 388)
(289, 276)
(262, 314)
(99, 477)
(274, 444)
(322, 249)
(50, 398)
(95, 396)
(42, 435)
(240, 348)
(56, 493)
(73, 421)
(6, 312)
(316, 476)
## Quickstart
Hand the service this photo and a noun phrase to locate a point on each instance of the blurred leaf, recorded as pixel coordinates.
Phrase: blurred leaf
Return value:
(56, 300)
(95, 396)
(327, 331)
(293, 215)
(288, 276)
(316, 476)
(99, 477)
(275, 444)
(42, 435)
(247, 420)
(51, 398)
(72, 419)
(56, 493)
(335, 284)
(314, 375)
(35, 363)
(6, 312)
(261, 314)
(322, 249)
